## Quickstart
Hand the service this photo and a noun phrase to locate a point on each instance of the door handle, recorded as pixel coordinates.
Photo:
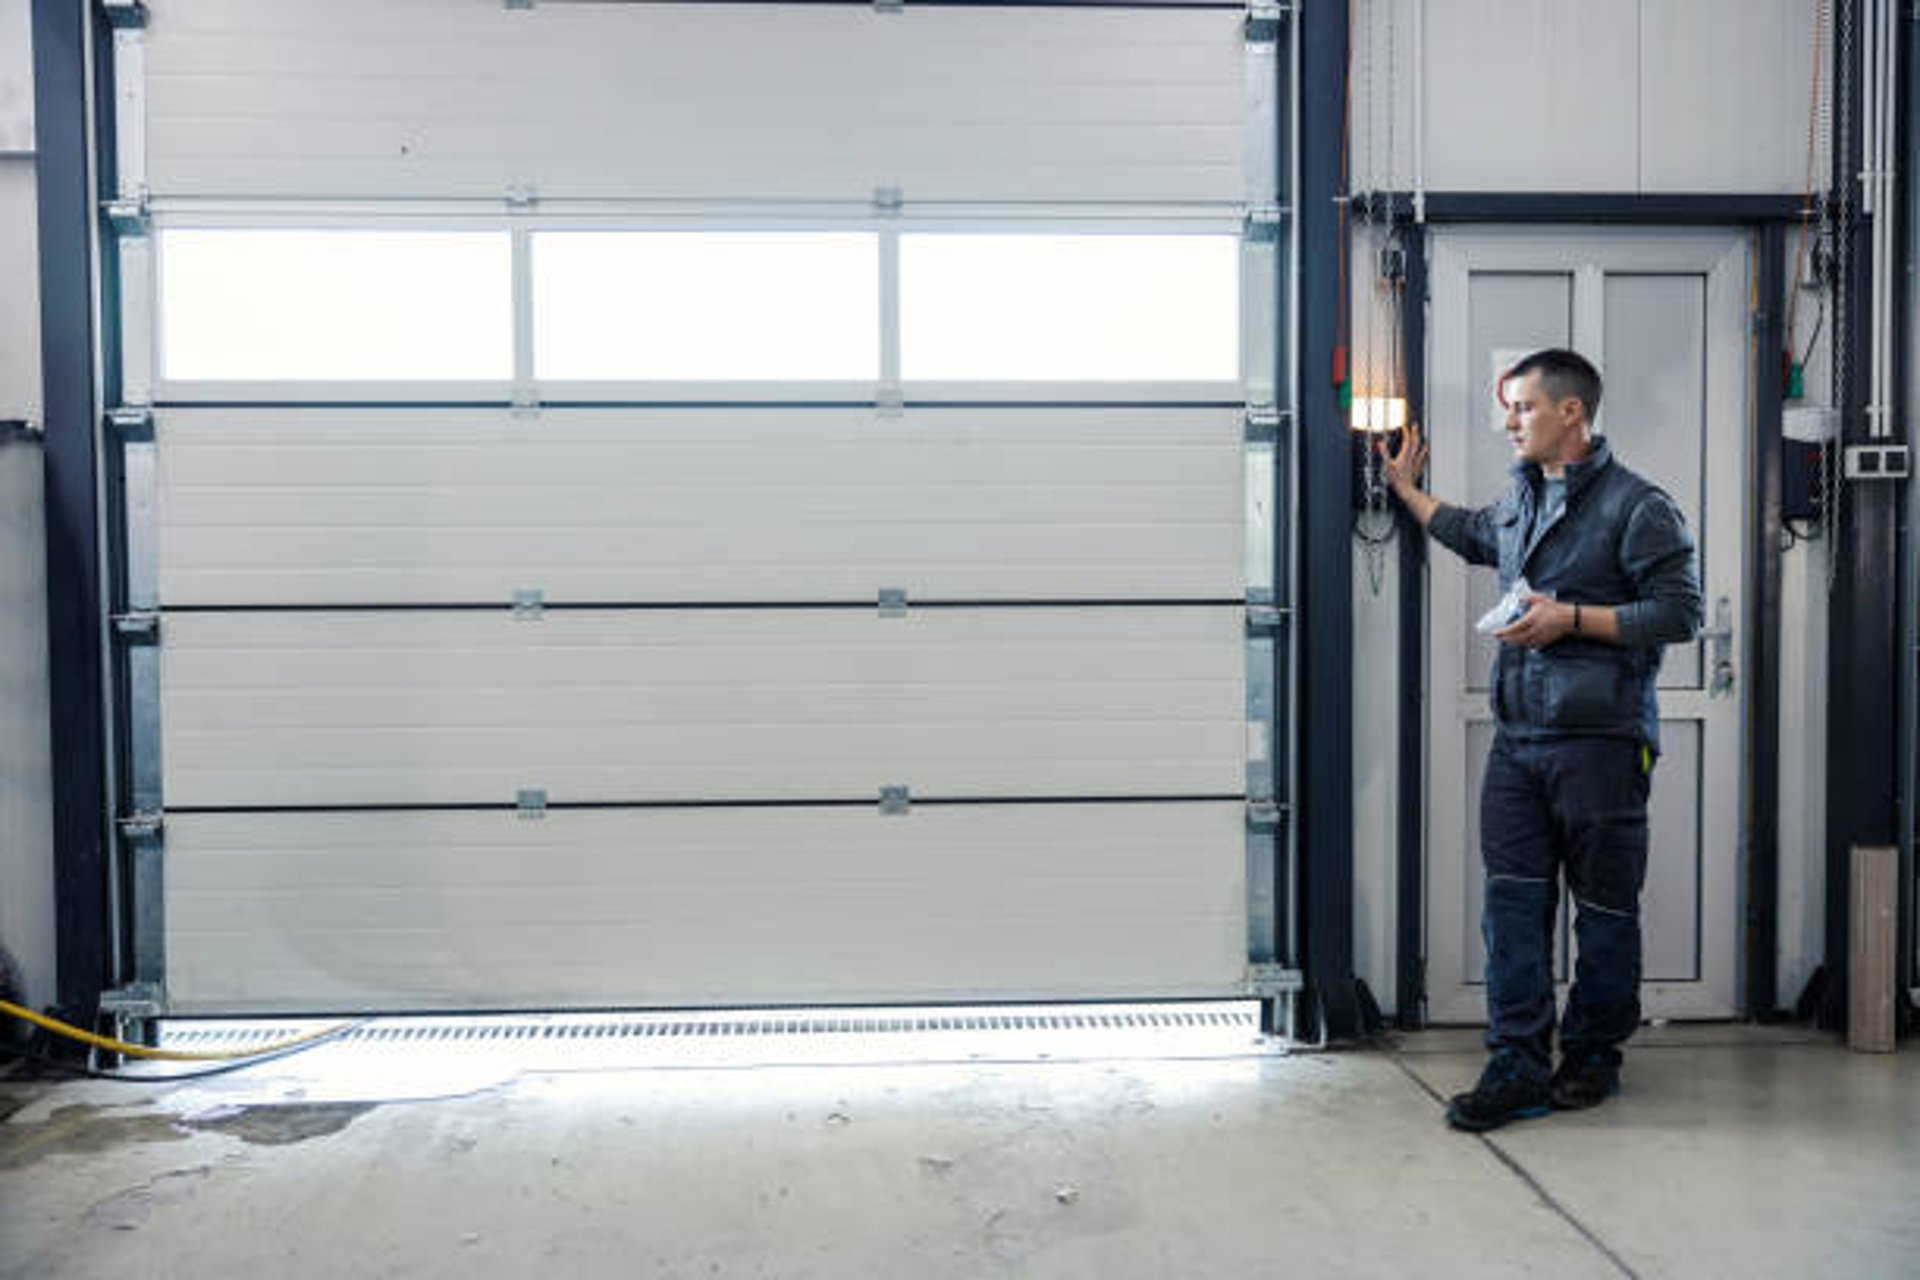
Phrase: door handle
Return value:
(1719, 638)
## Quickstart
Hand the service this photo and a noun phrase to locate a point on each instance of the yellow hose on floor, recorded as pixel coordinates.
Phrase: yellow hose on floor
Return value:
(60, 1028)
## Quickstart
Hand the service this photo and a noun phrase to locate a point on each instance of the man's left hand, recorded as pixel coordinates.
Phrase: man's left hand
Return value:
(1545, 621)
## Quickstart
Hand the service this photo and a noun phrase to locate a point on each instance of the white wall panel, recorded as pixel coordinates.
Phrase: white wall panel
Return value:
(1532, 95)
(26, 769)
(438, 506)
(334, 912)
(469, 707)
(20, 295)
(16, 77)
(1690, 96)
(1725, 95)
(464, 97)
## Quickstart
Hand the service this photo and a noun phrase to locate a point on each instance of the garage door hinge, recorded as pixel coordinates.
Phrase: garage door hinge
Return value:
(530, 802)
(131, 422)
(145, 824)
(890, 401)
(1269, 980)
(137, 626)
(125, 13)
(128, 214)
(893, 602)
(522, 196)
(895, 801)
(526, 402)
(1263, 424)
(1266, 621)
(888, 201)
(1264, 18)
(529, 604)
(137, 1000)
(1263, 815)
(1264, 223)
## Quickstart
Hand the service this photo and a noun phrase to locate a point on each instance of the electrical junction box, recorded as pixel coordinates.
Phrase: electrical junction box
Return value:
(1806, 435)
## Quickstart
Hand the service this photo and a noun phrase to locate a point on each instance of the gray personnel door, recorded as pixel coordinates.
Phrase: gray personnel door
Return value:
(1663, 315)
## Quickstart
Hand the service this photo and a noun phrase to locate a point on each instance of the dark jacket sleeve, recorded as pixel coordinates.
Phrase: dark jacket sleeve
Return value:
(1467, 533)
(1656, 552)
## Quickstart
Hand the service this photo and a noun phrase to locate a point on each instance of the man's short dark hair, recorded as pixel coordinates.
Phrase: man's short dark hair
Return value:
(1562, 374)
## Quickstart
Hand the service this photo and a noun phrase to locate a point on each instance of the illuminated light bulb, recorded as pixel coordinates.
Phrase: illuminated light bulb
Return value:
(1379, 413)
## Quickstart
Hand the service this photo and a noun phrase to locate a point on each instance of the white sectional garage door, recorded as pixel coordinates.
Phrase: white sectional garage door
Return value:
(663, 504)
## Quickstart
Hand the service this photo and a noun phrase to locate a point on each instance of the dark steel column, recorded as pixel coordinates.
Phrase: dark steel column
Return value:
(69, 241)
(1326, 594)
(1863, 747)
(1410, 978)
(1762, 942)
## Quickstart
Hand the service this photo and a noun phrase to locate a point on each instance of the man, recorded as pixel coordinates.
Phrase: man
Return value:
(1611, 570)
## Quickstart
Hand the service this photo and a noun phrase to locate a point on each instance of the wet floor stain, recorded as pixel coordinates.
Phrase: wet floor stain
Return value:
(16, 1098)
(89, 1130)
(83, 1130)
(280, 1126)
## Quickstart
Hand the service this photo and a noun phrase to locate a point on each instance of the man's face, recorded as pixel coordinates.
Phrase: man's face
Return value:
(1544, 432)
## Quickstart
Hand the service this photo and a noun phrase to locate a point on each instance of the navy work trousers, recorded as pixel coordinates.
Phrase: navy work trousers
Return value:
(1576, 808)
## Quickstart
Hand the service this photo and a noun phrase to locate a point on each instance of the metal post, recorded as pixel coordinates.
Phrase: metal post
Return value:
(1324, 630)
(67, 38)
(1762, 872)
(1410, 949)
(1862, 730)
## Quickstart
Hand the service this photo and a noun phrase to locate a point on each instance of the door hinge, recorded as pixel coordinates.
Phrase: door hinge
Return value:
(1263, 424)
(1264, 814)
(131, 422)
(1264, 223)
(1268, 981)
(1264, 18)
(137, 626)
(137, 1001)
(124, 14)
(143, 824)
(129, 214)
(1266, 621)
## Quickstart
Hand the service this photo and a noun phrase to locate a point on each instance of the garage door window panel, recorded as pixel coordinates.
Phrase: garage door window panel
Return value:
(1007, 307)
(335, 305)
(691, 306)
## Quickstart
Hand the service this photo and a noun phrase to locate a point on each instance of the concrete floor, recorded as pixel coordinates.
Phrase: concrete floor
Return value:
(1737, 1152)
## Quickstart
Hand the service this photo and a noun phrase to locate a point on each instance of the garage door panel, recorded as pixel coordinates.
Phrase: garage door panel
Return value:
(318, 506)
(462, 707)
(464, 98)
(470, 910)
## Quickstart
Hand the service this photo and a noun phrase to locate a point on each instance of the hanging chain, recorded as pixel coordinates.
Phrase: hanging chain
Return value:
(1842, 219)
(1374, 524)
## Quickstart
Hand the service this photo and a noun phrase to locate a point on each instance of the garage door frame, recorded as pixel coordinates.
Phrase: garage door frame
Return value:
(134, 625)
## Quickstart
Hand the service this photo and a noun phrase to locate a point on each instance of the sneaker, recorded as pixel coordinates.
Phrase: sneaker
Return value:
(1511, 1088)
(1584, 1080)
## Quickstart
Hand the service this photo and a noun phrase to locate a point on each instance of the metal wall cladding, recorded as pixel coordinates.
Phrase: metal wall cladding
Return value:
(395, 911)
(367, 98)
(1652, 96)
